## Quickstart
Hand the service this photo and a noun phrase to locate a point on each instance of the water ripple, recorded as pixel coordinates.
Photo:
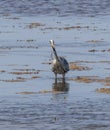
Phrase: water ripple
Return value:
(55, 8)
(69, 115)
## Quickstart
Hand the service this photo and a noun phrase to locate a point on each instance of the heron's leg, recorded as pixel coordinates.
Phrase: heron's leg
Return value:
(63, 80)
(63, 76)
(55, 75)
(56, 81)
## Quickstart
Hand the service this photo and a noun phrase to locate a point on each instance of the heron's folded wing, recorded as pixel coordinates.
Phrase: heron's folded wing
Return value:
(64, 63)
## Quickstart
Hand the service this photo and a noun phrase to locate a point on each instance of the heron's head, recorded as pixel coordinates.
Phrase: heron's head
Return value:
(52, 43)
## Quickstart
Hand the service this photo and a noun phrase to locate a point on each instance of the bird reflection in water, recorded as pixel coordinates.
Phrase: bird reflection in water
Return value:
(60, 86)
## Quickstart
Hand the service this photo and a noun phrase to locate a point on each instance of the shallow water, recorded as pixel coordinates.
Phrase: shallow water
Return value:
(29, 96)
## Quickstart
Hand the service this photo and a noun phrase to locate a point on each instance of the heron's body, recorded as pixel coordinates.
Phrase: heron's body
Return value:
(59, 64)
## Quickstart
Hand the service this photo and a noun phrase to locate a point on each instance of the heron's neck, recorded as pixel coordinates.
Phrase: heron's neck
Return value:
(55, 53)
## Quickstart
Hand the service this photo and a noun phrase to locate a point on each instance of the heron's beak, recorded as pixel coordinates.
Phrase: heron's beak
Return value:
(50, 41)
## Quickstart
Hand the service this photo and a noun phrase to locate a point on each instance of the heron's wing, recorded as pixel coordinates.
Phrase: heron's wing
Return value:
(64, 63)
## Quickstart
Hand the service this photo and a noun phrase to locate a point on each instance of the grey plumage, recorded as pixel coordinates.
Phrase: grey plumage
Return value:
(59, 64)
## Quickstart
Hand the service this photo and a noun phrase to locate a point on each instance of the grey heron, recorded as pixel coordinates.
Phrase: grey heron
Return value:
(59, 64)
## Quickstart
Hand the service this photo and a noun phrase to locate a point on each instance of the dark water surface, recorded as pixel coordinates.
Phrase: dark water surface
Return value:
(55, 7)
(30, 99)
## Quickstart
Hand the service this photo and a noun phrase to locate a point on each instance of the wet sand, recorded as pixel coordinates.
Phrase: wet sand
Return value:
(30, 98)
